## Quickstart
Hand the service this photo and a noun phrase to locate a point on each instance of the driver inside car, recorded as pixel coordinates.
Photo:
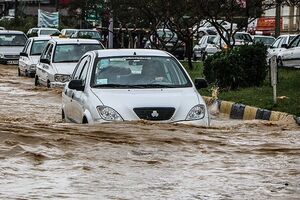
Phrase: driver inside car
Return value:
(152, 72)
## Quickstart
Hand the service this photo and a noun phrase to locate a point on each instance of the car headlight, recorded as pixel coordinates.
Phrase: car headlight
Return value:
(196, 113)
(61, 78)
(109, 114)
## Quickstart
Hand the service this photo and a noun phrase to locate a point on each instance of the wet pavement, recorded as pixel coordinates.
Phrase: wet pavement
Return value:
(43, 158)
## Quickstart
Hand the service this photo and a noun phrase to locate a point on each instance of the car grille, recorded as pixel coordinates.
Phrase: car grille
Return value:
(154, 113)
(12, 56)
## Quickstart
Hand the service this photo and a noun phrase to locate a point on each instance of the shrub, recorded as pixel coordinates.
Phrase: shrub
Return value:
(242, 66)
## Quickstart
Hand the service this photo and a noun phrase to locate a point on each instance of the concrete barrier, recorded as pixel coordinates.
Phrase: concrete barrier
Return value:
(241, 111)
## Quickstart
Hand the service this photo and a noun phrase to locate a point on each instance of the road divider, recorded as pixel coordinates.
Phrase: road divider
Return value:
(244, 112)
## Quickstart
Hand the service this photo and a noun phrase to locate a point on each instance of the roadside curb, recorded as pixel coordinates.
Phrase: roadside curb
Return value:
(244, 112)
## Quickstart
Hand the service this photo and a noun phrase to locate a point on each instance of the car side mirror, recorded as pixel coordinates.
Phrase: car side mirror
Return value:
(284, 46)
(45, 60)
(200, 83)
(24, 54)
(76, 84)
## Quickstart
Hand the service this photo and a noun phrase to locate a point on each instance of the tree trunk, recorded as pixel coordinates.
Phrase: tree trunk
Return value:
(189, 52)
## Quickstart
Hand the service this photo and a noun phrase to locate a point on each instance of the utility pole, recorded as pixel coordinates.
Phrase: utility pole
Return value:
(277, 18)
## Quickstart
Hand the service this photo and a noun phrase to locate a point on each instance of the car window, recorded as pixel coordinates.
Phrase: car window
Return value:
(12, 40)
(37, 47)
(283, 41)
(79, 68)
(276, 43)
(139, 71)
(48, 32)
(295, 42)
(49, 52)
(73, 52)
(291, 38)
(89, 34)
(43, 55)
(26, 46)
(84, 72)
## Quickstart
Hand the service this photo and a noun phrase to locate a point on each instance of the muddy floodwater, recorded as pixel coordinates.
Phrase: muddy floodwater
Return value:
(43, 158)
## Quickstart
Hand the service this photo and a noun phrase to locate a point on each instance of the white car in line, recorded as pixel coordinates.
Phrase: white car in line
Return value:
(38, 32)
(199, 49)
(59, 59)
(290, 57)
(218, 43)
(30, 55)
(132, 84)
(11, 44)
(279, 45)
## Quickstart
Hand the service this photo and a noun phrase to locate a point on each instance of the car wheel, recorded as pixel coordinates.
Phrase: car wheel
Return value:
(63, 117)
(48, 84)
(19, 72)
(36, 81)
(204, 56)
(194, 57)
(84, 120)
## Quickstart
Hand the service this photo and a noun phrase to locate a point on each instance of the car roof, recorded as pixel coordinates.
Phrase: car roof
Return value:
(287, 35)
(44, 37)
(74, 40)
(86, 30)
(131, 52)
(11, 31)
(264, 36)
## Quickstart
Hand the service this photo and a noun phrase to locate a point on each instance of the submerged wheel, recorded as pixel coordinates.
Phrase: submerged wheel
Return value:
(48, 84)
(63, 117)
(84, 120)
(19, 72)
(36, 81)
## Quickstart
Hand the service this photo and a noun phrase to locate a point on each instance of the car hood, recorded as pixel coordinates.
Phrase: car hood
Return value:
(11, 50)
(126, 99)
(64, 68)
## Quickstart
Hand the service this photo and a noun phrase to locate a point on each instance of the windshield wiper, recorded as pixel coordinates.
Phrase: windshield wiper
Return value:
(155, 86)
(116, 86)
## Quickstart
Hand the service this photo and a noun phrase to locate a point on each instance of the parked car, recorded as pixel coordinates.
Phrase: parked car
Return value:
(132, 84)
(279, 45)
(67, 32)
(205, 27)
(291, 56)
(30, 55)
(87, 34)
(199, 49)
(266, 40)
(11, 44)
(218, 43)
(166, 40)
(37, 32)
(7, 18)
(59, 59)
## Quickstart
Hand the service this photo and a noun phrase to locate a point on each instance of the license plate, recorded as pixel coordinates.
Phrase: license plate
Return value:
(12, 62)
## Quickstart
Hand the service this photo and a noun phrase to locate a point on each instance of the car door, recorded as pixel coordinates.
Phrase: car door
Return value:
(24, 60)
(75, 109)
(292, 54)
(46, 68)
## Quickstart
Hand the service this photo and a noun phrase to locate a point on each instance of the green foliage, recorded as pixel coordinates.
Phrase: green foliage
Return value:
(21, 24)
(242, 66)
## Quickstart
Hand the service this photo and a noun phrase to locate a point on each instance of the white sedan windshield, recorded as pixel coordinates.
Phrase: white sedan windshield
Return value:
(139, 72)
(72, 52)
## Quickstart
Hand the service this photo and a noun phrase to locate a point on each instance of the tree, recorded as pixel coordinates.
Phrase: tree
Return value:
(83, 8)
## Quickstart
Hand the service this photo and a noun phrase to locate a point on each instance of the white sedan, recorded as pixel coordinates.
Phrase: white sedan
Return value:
(132, 84)
(30, 55)
(290, 57)
(59, 59)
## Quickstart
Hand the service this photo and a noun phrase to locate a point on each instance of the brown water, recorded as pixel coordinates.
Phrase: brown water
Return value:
(42, 158)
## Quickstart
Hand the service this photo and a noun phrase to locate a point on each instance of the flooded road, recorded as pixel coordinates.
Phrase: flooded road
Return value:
(43, 158)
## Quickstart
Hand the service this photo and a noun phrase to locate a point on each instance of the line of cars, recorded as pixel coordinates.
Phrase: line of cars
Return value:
(113, 85)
